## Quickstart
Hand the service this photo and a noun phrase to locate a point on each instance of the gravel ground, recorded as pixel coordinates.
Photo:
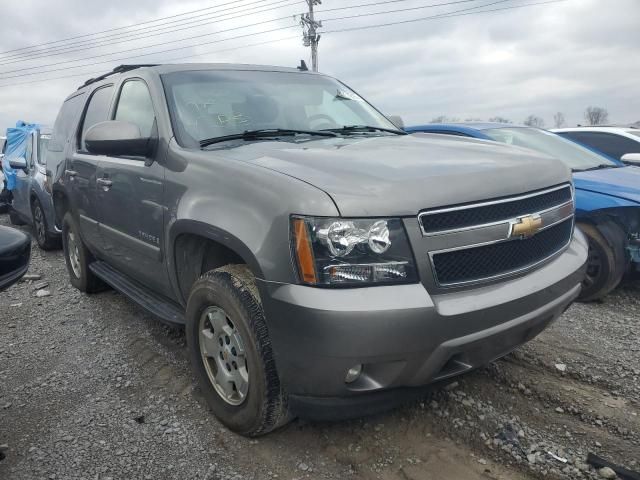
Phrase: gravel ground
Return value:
(91, 387)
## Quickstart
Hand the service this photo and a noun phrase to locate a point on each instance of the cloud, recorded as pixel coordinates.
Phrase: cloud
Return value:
(537, 60)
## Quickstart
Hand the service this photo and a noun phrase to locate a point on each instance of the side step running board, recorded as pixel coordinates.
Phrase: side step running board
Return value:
(155, 304)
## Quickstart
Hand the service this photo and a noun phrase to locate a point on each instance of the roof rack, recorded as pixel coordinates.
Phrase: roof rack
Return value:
(119, 69)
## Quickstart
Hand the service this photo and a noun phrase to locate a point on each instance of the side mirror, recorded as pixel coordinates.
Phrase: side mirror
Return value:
(19, 163)
(631, 159)
(397, 121)
(116, 138)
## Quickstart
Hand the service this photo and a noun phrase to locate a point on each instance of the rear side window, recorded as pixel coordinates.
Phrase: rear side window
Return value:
(28, 153)
(65, 121)
(43, 144)
(609, 143)
(97, 111)
(135, 106)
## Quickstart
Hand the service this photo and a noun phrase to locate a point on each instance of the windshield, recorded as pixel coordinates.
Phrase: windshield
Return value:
(206, 104)
(42, 148)
(573, 155)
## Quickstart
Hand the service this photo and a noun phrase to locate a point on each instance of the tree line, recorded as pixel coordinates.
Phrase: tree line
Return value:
(592, 116)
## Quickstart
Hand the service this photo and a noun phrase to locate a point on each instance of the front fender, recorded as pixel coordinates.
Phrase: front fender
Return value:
(588, 202)
(245, 207)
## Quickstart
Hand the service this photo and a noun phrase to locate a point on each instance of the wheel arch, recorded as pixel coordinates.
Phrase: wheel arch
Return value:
(195, 247)
(61, 205)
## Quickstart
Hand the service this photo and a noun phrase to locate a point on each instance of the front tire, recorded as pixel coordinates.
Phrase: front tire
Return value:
(231, 352)
(46, 241)
(606, 263)
(77, 257)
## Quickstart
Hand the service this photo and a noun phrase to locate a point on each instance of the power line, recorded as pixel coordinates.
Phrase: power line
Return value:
(53, 42)
(435, 17)
(25, 69)
(144, 48)
(455, 13)
(412, 9)
(134, 36)
(166, 60)
(120, 59)
(386, 2)
(122, 28)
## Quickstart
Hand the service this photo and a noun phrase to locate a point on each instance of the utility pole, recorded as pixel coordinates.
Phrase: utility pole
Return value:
(310, 37)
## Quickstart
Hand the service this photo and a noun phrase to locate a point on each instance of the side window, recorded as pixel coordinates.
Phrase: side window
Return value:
(613, 145)
(66, 120)
(135, 106)
(43, 145)
(97, 111)
(28, 154)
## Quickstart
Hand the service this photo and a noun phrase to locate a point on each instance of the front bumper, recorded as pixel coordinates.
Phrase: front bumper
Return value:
(404, 336)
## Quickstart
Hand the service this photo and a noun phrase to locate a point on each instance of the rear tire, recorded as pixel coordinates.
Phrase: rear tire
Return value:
(46, 241)
(231, 352)
(607, 260)
(77, 257)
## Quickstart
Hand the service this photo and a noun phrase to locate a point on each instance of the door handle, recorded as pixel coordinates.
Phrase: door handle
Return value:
(71, 173)
(104, 183)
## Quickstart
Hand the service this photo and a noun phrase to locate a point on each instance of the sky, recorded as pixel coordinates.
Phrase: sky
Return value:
(536, 60)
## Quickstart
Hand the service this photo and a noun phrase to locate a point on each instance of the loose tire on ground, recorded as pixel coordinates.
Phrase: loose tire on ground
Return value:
(46, 241)
(77, 258)
(607, 260)
(231, 290)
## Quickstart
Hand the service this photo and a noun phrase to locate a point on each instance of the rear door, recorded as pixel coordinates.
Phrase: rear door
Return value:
(82, 168)
(23, 180)
(130, 194)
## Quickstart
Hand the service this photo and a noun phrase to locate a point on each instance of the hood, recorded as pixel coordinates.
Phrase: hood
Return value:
(401, 175)
(623, 182)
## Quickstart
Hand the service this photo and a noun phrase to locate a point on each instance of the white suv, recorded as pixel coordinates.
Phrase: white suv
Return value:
(615, 142)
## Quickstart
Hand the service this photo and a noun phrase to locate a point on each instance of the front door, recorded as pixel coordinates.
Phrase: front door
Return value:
(81, 174)
(130, 193)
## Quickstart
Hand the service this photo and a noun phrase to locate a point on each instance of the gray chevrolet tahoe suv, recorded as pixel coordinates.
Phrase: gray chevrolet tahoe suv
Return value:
(322, 262)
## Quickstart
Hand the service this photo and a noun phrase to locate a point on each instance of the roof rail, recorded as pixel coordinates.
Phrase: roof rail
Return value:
(119, 69)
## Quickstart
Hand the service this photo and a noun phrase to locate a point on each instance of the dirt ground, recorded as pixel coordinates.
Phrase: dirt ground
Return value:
(91, 387)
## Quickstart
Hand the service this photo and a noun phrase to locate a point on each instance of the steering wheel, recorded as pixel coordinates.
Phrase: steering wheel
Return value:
(325, 121)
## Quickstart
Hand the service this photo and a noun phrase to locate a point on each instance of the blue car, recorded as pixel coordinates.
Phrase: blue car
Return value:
(607, 197)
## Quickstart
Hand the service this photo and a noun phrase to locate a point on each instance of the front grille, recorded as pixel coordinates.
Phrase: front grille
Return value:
(497, 259)
(494, 211)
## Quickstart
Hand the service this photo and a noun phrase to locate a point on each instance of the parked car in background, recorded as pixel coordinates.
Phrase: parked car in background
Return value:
(15, 251)
(621, 143)
(607, 197)
(31, 197)
(317, 255)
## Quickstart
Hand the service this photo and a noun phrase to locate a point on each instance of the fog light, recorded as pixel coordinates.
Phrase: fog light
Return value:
(353, 373)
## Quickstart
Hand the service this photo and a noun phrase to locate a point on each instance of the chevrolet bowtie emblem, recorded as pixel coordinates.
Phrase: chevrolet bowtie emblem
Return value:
(525, 227)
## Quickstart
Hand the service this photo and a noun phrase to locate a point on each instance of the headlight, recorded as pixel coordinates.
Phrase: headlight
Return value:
(350, 252)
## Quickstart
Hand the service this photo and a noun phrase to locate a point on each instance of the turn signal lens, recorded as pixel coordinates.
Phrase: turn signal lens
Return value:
(304, 254)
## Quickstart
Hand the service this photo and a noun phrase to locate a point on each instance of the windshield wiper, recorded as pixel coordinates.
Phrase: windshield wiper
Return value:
(264, 133)
(363, 128)
(602, 166)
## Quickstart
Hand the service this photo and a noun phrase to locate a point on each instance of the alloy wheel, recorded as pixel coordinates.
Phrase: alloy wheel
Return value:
(74, 253)
(223, 355)
(38, 223)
